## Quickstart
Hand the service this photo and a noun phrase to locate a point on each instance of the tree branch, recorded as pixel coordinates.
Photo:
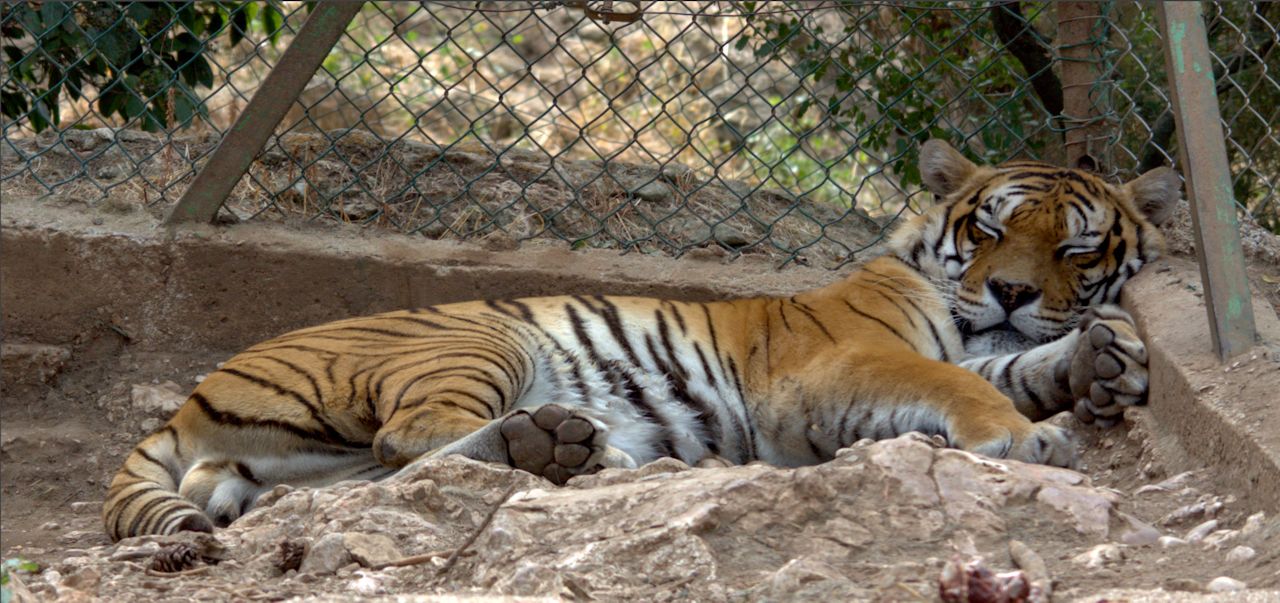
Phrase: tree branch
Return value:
(1022, 41)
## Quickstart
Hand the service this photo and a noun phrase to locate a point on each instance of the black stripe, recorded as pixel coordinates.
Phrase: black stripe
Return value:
(146, 509)
(706, 413)
(315, 385)
(783, 313)
(888, 283)
(437, 399)
(1031, 393)
(118, 508)
(751, 426)
(809, 313)
(609, 312)
(330, 433)
(675, 311)
(228, 418)
(455, 372)
(143, 453)
(813, 446)
(635, 396)
(886, 325)
(1008, 375)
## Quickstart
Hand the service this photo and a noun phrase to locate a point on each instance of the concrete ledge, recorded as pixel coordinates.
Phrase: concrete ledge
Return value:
(227, 288)
(1223, 416)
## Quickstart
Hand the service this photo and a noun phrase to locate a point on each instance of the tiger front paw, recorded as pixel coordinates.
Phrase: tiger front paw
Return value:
(1047, 444)
(1108, 370)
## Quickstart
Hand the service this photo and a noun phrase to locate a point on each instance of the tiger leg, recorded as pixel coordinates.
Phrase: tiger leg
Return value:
(550, 440)
(971, 412)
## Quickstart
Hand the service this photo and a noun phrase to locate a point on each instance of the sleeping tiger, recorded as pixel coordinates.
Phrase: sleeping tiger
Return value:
(990, 311)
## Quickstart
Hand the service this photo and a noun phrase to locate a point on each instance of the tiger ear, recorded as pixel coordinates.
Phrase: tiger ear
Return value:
(942, 168)
(1156, 194)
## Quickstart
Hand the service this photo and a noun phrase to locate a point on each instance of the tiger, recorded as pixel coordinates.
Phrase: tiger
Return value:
(989, 311)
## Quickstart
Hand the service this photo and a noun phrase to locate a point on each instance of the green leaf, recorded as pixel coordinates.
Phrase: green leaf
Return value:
(239, 23)
(139, 12)
(53, 13)
(272, 22)
(183, 109)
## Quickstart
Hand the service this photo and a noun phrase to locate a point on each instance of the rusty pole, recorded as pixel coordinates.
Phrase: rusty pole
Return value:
(1077, 24)
(1202, 152)
(268, 106)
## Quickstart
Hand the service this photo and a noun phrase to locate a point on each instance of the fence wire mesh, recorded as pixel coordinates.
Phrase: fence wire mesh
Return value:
(788, 128)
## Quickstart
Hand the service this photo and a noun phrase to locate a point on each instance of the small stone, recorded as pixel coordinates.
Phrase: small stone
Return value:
(1198, 533)
(326, 555)
(1099, 556)
(1223, 584)
(1220, 538)
(164, 399)
(1182, 585)
(1166, 542)
(1183, 514)
(1253, 525)
(85, 578)
(653, 192)
(86, 506)
(50, 526)
(371, 550)
(1139, 533)
(1241, 554)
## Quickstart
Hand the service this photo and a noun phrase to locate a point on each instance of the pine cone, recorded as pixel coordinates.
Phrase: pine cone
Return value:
(175, 557)
(289, 555)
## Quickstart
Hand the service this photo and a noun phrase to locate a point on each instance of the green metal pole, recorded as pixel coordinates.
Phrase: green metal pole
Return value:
(1202, 151)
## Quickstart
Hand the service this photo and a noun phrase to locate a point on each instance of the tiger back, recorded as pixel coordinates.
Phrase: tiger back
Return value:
(991, 309)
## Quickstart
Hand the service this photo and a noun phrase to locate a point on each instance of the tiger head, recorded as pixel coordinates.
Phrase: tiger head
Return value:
(1024, 247)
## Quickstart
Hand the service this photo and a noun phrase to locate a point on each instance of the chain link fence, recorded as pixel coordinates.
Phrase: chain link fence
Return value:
(785, 128)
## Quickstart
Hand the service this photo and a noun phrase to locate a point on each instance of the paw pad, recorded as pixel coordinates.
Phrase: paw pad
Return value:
(552, 442)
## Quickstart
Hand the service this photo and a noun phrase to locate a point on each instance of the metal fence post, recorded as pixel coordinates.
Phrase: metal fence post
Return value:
(1203, 154)
(268, 106)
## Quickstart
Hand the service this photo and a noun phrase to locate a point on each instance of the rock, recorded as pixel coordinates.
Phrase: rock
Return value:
(86, 506)
(326, 555)
(1241, 554)
(371, 550)
(1223, 584)
(1099, 556)
(1198, 533)
(50, 525)
(164, 399)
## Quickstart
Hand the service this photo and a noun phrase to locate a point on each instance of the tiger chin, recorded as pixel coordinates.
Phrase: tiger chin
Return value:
(991, 310)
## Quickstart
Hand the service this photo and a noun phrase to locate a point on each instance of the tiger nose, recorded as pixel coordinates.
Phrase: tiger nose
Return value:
(1012, 295)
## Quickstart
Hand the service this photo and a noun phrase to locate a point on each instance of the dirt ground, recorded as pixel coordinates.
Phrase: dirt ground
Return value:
(64, 431)
(61, 443)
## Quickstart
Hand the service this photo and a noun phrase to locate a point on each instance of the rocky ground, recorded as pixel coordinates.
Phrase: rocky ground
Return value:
(892, 520)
